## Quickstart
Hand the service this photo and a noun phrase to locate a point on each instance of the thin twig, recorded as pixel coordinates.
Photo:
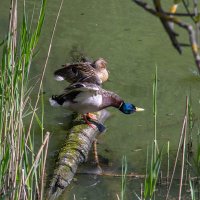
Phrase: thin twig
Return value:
(131, 175)
(181, 14)
(195, 3)
(192, 36)
(187, 9)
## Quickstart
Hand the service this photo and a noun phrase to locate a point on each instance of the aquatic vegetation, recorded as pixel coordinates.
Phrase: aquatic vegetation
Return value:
(21, 168)
(186, 164)
(123, 179)
(192, 191)
(156, 156)
(152, 174)
(196, 159)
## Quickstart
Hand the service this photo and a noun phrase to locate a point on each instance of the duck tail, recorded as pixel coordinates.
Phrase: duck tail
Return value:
(59, 75)
(58, 78)
(54, 101)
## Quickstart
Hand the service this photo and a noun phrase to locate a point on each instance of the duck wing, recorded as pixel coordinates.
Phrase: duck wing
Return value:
(82, 87)
(57, 100)
(78, 72)
(74, 93)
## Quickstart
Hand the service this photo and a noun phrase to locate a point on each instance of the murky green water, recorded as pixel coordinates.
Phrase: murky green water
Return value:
(133, 43)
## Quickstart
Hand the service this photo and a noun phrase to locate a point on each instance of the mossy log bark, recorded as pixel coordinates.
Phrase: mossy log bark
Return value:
(74, 152)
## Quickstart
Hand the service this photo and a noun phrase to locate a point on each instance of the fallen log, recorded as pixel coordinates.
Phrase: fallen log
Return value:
(74, 152)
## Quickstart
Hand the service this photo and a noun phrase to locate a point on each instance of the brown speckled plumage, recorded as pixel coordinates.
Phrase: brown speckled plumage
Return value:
(95, 72)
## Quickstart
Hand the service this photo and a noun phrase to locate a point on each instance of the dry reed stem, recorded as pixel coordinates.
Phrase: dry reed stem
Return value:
(45, 142)
(179, 147)
(141, 191)
(183, 150)
(24, 186)
(167, 163)
(12, 32)
(117, 197)
(43, 170)
(44, 70)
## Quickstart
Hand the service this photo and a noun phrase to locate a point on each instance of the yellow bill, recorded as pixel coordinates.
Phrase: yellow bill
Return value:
(139, 109)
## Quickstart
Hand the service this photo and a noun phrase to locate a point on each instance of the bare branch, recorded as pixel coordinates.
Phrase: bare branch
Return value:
(181, 14)
(165, 19)
(172, 35)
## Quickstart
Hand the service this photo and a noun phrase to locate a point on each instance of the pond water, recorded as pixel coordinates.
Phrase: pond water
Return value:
(133, 43)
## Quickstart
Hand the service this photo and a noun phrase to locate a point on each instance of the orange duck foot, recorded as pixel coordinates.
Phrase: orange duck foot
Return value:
(85, 117)
(94, 122)
(91, 116)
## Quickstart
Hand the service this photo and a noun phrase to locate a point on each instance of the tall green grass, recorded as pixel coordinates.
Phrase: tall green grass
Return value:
(21, 170)
(186, 163)
(153, 169)
(192, 190)
(152, 174)
(196, 159)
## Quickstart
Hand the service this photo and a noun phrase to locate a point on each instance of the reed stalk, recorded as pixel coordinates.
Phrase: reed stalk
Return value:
(21, 170)
(153, 171)
(182, 141)
(183, 150)
(155, 87)
(192, 190)
(168, 162)
(123, 180)
(152, 174)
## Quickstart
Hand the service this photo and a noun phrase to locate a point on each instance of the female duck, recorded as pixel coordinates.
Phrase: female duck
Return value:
(92, 72)
(83, 98)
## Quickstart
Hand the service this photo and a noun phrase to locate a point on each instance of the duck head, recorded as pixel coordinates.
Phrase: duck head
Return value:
(101, 69)
(100, 64)
(128, 108)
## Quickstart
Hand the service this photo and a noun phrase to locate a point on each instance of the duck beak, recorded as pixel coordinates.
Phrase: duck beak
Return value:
(139, 109)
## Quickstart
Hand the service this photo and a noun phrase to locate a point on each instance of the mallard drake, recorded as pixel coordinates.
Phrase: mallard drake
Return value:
(92, 72)
(84, 97)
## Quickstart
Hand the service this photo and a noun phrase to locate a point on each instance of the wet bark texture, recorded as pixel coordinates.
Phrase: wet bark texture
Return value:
(74, 152)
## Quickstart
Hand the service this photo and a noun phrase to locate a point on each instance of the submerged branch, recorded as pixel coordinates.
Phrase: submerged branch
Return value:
(74, 152)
